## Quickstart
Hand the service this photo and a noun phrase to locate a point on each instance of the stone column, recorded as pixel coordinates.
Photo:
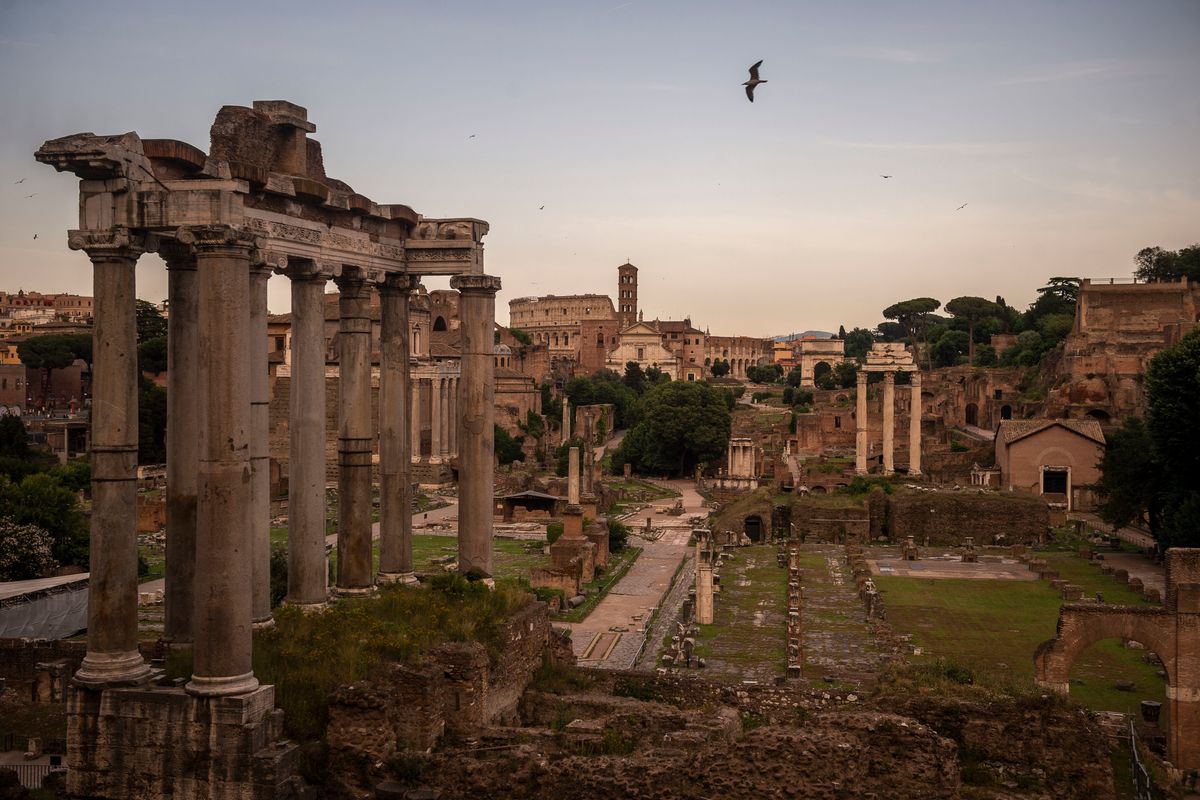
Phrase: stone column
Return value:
(914, 426)
(447, 404)
(566, 418)
(704, 588)
(260, 449)
(395, 450)
(573, 476)
(308, 567)
(224, 549)
(889, 422)
(183, 423)
(354, 435)
(435, 419)
(453, 415)
(415, 413)
(477, 312)
(860, 425)
(112, 638)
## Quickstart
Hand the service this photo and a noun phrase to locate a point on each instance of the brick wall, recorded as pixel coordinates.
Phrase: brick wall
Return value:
(946, 517)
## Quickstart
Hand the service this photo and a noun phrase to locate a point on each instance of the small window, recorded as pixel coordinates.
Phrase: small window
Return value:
(837, 422)
(999, 395)
(641, 353)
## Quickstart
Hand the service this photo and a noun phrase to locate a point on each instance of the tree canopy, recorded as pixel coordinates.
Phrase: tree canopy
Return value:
(55, 351)
(1155, 265)
(681, 424)
(151, 324)
(913, 316)
(972, 310)
(858, 343)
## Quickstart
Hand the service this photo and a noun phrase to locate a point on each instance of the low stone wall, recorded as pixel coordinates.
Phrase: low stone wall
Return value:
(944, 518)
(19, 657)
(814, 521)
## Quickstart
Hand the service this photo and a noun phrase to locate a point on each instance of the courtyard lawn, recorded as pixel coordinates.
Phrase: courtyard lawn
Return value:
(748, 634)
(1074, 569)
(993, 627)
(512, 558)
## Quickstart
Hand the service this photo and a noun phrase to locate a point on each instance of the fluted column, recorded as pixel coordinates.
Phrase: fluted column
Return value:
(453, 415)
(308, 567)
(435, 419)
(477, 312)
(260, 449)
(447, 404)
(914, 426)
(415, 412)
(112, 637)
(354, 435)
(860, 425)
(224, 569)
(889, 422)
(395, 404)
(183, 422)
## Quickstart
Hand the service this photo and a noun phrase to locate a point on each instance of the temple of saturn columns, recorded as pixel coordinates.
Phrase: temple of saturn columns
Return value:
(889, 358)
(258, 202)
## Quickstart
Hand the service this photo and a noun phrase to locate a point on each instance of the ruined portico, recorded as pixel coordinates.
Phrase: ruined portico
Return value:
(258, 201)
(889, 358)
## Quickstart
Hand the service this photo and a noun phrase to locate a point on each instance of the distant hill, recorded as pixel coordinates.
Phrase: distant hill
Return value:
(813, 334)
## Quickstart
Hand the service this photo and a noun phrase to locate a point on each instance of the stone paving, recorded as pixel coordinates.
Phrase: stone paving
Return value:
(837, 641)
(628, 606)
(986, 569)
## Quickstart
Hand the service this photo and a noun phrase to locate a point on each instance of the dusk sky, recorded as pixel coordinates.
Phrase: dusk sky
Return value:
(1071, 130)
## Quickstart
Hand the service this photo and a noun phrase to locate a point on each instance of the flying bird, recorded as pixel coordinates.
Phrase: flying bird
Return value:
(30, 195)
(960, 208)
(21, 181)
(885, 176)
(472, 136)
(754, 80)
(540, 208)
(35, 236)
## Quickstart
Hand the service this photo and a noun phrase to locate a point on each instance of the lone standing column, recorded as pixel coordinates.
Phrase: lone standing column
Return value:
(566, 420)
(260, 450)
(914, 426)
(860, 425)
(889, 422)
(222, 624)
(354, 435)
(435, 419)
(573, 476)
(477, 310)
(308, 569)
(395, 462)
(183, 421)
(112, 636)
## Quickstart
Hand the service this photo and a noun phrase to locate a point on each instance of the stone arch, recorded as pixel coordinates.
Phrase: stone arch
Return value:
(820, 369)
(1005, 412)
(972, 414)
(439, 324)
(1100, 415)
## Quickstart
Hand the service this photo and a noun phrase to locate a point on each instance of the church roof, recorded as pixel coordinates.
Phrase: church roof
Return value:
(1011, 430)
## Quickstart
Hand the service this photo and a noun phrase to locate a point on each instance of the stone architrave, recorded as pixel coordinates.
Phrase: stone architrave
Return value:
(222, 630)
(308, 571)
(860, 425)
(355, 435)
(889, 422)
(477, 312)
(112, 638)
(395, 462)
(183, 350)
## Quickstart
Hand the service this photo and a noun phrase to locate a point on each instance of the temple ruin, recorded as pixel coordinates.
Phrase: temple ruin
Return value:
(258, 202)
(889, 358)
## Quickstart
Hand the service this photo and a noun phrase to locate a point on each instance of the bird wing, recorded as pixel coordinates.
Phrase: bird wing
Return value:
(750, 93)
(754, 69)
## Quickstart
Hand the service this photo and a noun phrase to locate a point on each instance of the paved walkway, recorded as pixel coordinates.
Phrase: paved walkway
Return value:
(612, 635)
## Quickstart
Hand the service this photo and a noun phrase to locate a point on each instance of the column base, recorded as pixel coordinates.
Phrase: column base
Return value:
(402, 578)
(263, 624)
(308, 608)
(99, 670)
(203, 686)
(916, 474)
(353, 591)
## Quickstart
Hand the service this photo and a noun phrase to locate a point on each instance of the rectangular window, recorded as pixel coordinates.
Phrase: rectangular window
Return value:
(641, 353)
(1054, 481)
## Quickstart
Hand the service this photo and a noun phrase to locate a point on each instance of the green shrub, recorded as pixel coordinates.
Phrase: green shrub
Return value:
(553, 531)
(618, 535)
(861, 485)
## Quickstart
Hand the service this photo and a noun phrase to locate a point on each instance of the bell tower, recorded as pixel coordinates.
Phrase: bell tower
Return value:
(627, 303)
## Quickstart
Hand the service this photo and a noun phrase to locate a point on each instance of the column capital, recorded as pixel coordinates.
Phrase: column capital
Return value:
(350, 277)
(178, 256)
(110, 243)
(914, 378)
(889, 378)
(861, 376)
(398, 282)
(304, 269)
(482, 284)
(214, 238)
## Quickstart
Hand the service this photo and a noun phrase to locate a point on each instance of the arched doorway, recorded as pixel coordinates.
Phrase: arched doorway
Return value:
(972, 414)
(820, 370)
(1005, 412)
(1100, 415)
(753, 527)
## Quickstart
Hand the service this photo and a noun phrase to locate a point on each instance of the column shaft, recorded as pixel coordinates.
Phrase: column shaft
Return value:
(354, 437)
(860, 425)
(415, 413)
(566, 419)
(452, 417)
(224, 549)
(435, 419)
(308, 568)
(112, 636)
(395, 461)
(445, 418)
(914, 426)
(573, 476)
(260, 450)
(889, 422)
(183, 422)
(477, 311)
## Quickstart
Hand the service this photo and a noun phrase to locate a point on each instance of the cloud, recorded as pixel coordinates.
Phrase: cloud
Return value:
(891, 54)
(1067, 71)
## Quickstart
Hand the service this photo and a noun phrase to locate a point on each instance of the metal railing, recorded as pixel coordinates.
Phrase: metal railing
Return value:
(1143, 787)
(31, 776)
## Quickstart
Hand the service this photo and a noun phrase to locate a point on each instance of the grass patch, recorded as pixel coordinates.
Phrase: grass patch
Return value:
(992, 628)
(618, 565)
(748, 630)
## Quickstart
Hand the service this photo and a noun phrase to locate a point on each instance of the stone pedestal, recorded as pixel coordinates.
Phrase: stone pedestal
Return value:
(860, 426)
(477, 312)
(219, 748)
(355, 436)
(308, 569)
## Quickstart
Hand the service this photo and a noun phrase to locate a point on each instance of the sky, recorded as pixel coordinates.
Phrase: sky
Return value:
(1069, 130)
